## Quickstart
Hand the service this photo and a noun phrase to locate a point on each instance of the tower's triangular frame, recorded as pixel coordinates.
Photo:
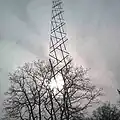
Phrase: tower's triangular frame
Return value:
(59, 57)
(58, 52)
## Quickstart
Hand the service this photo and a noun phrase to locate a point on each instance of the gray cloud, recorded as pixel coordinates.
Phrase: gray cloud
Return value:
(93, 30)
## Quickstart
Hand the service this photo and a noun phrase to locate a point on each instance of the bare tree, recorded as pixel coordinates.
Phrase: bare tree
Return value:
(30, 96)
(75, 97)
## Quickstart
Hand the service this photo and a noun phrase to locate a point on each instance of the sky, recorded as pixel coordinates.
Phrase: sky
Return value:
(93, 30)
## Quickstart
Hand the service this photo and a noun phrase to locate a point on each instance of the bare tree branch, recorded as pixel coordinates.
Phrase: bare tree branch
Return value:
(30, 96)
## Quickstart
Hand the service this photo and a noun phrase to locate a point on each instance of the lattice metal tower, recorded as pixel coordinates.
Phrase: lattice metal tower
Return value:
(59, 58)
(58, 39)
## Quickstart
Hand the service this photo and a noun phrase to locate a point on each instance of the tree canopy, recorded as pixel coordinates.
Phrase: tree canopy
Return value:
(30, 96)
(107, 112)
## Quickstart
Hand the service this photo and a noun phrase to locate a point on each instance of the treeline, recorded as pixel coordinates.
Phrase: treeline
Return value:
(31, 97)
(106, 111)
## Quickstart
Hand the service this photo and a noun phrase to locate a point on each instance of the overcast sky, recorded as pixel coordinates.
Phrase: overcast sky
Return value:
(93, 29)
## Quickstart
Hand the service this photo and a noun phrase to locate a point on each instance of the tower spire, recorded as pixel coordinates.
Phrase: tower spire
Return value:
(58, 52)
